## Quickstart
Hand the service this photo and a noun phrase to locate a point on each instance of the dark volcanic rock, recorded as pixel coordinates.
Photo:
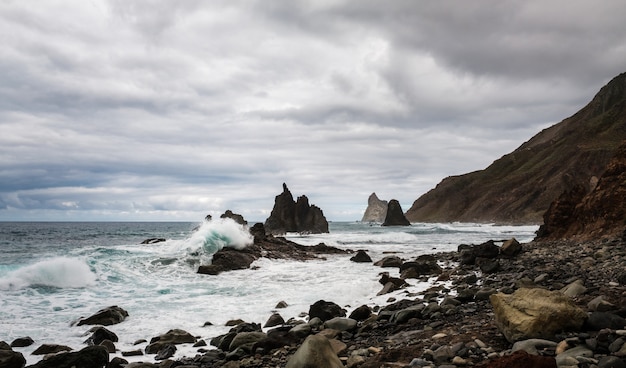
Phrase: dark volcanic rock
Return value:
(106, 317)
(325, 310)
(50, 349)
(228, 259)
(22, 342)
(11, 359)
(395, 216)
(361, 256)
(100, 334)
(234, 216)
(89, 357)
(376, 210)
(171, 337)
(153, 240)
(290, 216)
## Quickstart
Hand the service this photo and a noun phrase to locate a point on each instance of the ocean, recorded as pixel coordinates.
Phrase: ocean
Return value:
(54, 273)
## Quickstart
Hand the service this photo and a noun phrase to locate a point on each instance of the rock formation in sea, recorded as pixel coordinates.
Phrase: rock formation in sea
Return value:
(234, 216)
(519, 187)
(376, 209)
(394, 215)
(295, 216)
(588, 216)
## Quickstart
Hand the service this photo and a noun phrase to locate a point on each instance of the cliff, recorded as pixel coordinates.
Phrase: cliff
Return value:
(519, 187)
(376, 209)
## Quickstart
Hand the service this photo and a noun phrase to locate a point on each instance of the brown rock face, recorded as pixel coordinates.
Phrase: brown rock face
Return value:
(290, 216)
(519, 187)
(600, 213)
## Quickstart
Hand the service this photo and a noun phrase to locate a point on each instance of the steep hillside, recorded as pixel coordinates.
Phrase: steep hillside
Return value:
(519, 187)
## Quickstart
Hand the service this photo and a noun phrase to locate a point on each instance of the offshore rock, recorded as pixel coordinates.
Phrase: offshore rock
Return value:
(376, 210)
(89, 357)
(315, 352)
(361, 256)
(105, 317)
(535, 313)
(395, 216)
(290, 216)
(235, 217)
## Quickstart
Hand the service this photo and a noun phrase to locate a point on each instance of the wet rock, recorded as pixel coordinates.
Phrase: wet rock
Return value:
(325, 310)
(389, 261)
(235, 217)
(109, 345)
(361, 313)
(315, 351)
(395, 215)
(166, 351)
(274, 320)
(105, 317)
(100, 334)
(228, 259)
(153, 240)
(361, 256)
(246, 339)
(510, 248)
(175, 336)
(535, 313)
(117, 362)
(50, 349)
(22, 342)
(91, 356)
(11, 359)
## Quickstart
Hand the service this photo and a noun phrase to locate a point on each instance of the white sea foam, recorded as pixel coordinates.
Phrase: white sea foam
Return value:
(58, 272)
(214, 235)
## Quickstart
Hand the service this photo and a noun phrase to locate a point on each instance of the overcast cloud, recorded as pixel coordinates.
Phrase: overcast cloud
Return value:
(169, 110)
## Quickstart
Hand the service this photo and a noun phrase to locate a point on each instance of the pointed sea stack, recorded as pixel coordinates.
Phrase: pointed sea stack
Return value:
(395, 216)
(290, 216)
(376, 209)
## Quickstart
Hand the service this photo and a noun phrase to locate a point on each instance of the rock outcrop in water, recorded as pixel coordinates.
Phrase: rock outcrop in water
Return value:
(395, 216)
(599, 213)
(235, 217)
(295, 216)
(376, 209)
(519, 187)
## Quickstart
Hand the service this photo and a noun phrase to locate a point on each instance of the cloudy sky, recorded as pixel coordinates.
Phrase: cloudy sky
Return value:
(169, 110)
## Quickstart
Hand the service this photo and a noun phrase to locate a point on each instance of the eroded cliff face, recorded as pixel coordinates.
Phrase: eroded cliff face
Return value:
(599, 213)
(376, 209)
(519, 187)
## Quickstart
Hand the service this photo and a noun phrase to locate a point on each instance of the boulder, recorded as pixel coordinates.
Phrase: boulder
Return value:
(361, 256)
(274, 320)
(420, 267)
(395, 215)
(50, 349)
(234, 216)
(361, 313)
(89, 357)
(105, 317)
(535, 313)
(174, 337)
(341, 324)
(246, 339)
(290, 216)
(100, 334)
(325, 310)
(600, 320)
(389, 261)
(376, 210)
(510, 248)
(228, 259)
(315, 352)
(11, 359)
(21, 342)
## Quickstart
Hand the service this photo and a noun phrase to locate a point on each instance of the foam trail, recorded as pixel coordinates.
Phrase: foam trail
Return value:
(59, 272)
(216, 234)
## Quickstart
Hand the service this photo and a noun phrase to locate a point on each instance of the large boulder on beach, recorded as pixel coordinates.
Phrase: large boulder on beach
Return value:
(376, 210)
(174, 337)
(89, 357)
(395, 216)
(291, 216)
(10, 358)
(105, 317)
(535, 313)
(325, 310)
(315, 352)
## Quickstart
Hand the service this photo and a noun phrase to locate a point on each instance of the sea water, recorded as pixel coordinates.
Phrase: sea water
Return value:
(52, 274)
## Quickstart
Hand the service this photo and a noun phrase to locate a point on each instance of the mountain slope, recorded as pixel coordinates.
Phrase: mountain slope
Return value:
(519, 187)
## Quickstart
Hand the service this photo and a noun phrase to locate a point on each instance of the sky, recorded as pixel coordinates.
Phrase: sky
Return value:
(161, 110)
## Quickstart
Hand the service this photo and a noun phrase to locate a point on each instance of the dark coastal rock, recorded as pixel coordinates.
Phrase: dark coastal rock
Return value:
(423, 265)
(395, 216)
(174, 337)
(11, 359)
(50, 349)
(376, 210)
(89, 357)
(325, 310)
(165, 352)
(389, 261)
(117, 362)
(275, 320)
(99, 335)
(290, 216)
(105, 317)
(535, 313)
(361, 256)
(22, 342)
(510, 248)
(234, 216)
(258, 232)
(153, 240)
(361, 313)
(246, 339)
(599, 320)
(228, 259)
(315, 351)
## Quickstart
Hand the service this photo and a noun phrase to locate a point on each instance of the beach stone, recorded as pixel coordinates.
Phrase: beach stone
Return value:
(600, 320)
(108, 316)
(565, 357)
(389, 261)
(109, 345)
(282, 304)
(574, 289)
(11, 359)
(535, 313)
(488, 249)
(132, 353)
(274, 320)
(50, 349)
(404, 315)
(341, 324)
(484, 293)
(510, 248)
(531, 346)
(599, 304)
(521, 359)
(611, 362)
(361, 313)
(325, 310)
(315, 352)
(361, 256)
(301, 331)
(100, 334)
(175, 336)
(117, 362)
(166, 351)
(91, 356)
(22, 342)
(246, 338)
(487, 265)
